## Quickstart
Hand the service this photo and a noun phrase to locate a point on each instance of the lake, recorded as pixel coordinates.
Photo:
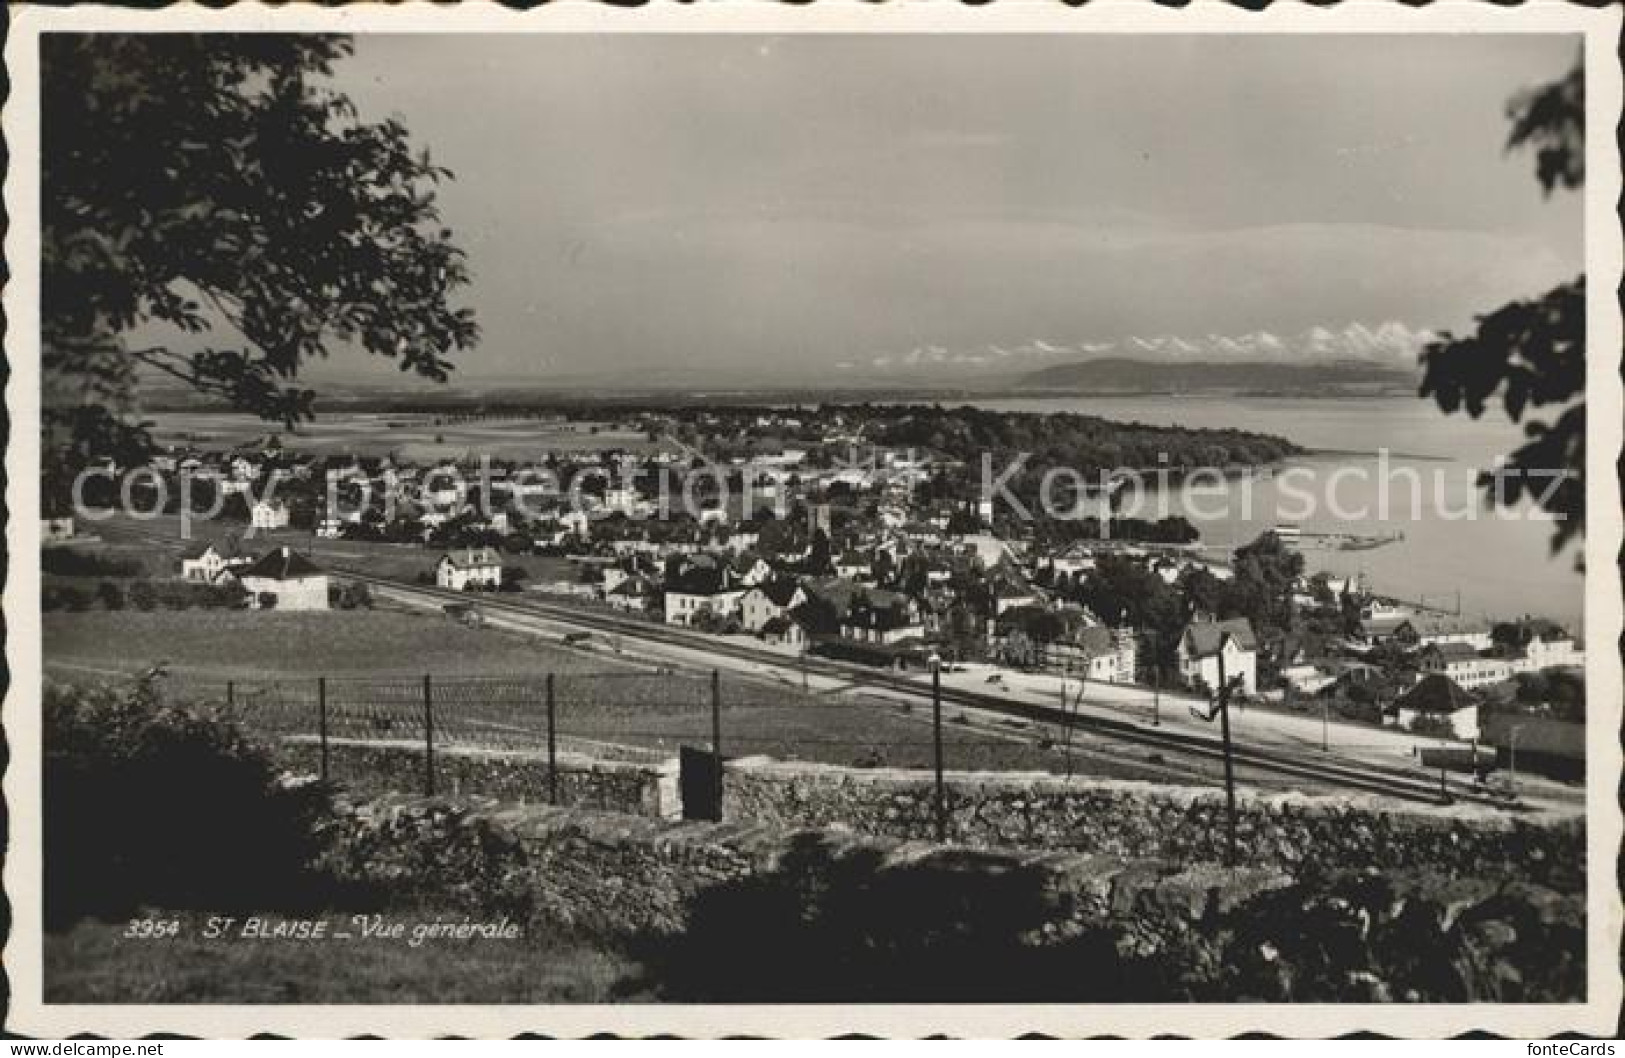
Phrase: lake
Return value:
(1499, 560)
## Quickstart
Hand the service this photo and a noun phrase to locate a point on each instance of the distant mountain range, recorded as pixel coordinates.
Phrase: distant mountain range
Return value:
(1124, 374)
(1392, 345)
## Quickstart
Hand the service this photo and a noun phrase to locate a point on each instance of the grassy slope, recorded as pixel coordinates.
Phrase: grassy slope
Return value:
(204, 648)
(247, 644)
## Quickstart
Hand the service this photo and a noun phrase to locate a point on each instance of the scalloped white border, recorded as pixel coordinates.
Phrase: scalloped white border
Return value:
(1599, 1015)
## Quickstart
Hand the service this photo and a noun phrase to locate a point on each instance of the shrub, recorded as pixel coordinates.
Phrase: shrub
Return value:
(142, 595)
(73, 562)
(110, 595)
(148, 803)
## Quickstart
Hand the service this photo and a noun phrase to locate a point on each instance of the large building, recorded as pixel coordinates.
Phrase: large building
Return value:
(283, 579)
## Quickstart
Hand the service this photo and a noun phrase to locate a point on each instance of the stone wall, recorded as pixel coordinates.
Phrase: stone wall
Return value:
(376, 767)
(725, 912)
(1127, 818)
(1140, 819)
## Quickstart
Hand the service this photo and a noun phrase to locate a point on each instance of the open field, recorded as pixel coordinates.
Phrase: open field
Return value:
(201, 645)
(489, 689)
(92, 963)
(411, 436)
(398, 561)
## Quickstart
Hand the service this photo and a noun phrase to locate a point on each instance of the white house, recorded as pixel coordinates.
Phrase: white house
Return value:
(285, 580)
(883, 618)
(770, 599)
(469, 567)
(269, 514)
(853, 565)
(1438, 696)
(703, 588)
(1433, 630)
(203, 563)
(630, 594)
(1464, 665)
(1204, 643)
(793, 629)
(1549, 647)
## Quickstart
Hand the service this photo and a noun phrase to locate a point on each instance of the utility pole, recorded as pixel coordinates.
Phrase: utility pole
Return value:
(1066, 727)
(936, 739)
(1229, 766)
(1512, 758)
(1156, 678)
(716, 716)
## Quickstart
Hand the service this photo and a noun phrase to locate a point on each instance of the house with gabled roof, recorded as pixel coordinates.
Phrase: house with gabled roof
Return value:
(703, 587)
(631, 594)
(1433, 629)
(1439, 697)
(1463, 664)
(269, 514)
(1204, 643)
(770, 599)
(882, 617)
(795, 628)
(210, 563)
(283, 579)
(469, 567)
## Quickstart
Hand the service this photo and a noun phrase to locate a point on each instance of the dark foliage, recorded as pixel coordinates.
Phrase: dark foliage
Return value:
(73, 562)
(217, 184)
(149, 803)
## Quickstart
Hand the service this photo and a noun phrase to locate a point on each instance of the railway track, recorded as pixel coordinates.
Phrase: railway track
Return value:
(1336, 773)
(1349, 775)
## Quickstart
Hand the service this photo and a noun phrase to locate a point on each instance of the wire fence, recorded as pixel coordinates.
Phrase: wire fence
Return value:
(649, 716)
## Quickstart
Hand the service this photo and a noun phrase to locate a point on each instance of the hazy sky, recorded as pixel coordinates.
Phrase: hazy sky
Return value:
(781, 205)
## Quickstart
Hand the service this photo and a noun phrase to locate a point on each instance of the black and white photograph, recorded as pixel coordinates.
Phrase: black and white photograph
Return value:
(801, 521)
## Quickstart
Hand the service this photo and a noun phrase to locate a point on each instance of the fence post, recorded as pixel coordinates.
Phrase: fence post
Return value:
(321, 720)
(936, 741)
(428, 736)
(552, 746)
(716, 715)
(231, 695)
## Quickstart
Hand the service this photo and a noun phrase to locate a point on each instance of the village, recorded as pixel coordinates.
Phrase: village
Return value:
(810, 541)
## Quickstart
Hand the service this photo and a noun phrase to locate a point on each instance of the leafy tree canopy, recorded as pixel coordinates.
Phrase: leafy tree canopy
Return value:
(219, 187)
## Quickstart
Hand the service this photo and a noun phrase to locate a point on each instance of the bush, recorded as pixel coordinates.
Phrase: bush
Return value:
(142, 595)
(110, 595)
(72, 562)
(1427, 724)
(148, 803)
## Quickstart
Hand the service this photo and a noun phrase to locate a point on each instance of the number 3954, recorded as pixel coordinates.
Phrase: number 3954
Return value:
(152, 928)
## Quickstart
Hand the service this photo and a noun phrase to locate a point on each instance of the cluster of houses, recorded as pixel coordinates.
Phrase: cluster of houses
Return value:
(280, 579)
(855, 558)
